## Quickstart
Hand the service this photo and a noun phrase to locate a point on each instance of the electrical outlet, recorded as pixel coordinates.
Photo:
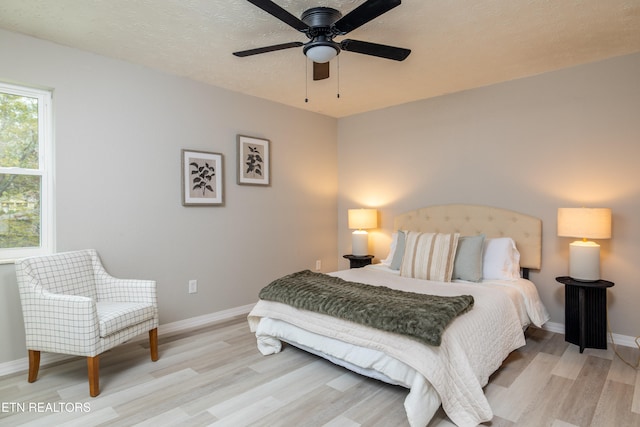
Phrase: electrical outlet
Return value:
(193, 286)
(318, 265)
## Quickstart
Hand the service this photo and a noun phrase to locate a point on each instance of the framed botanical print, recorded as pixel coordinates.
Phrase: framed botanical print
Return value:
(253, 161)
(202, 178)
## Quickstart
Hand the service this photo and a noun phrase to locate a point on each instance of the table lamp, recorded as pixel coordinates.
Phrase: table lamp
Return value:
(585, 223)
(360, 220)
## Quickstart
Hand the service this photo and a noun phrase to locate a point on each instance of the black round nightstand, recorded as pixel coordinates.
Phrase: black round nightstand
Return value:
(357, 261)
(585, 312)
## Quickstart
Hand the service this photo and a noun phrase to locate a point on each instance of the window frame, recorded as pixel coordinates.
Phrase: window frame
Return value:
(44, 171)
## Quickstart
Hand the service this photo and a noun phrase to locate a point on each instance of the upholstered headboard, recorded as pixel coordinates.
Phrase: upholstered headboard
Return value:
(469, 220)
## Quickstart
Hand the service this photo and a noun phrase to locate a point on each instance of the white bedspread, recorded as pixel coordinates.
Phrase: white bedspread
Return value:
(473, 346)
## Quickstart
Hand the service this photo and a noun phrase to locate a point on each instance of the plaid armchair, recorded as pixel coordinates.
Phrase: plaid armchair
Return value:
(71, 305)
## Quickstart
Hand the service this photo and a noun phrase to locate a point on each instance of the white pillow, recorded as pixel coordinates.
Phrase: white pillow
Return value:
(500, 259)
(392, 250)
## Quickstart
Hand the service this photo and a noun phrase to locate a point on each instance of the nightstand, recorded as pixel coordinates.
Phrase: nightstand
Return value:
(585, 312)
(357, 261)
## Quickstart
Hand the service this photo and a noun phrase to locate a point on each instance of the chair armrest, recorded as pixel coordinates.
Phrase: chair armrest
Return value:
(60, 323)
(126, 290)
(113, 289)
(47, 303)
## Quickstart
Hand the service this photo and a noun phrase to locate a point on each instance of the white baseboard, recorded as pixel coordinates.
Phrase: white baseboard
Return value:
(203, 320)
(19, 365)
(617, 339)
(558, 328)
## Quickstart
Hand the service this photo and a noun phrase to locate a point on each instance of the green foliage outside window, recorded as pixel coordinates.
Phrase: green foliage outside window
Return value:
(20, 191)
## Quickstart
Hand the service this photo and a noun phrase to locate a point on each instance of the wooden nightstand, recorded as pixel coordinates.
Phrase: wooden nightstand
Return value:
(357, 261)
(585, 312)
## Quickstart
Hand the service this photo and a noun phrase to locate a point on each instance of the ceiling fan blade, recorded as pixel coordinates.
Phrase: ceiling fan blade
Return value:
(266, 49)
(364, 13)
(320, 71)
(375, 49)
(280, 13)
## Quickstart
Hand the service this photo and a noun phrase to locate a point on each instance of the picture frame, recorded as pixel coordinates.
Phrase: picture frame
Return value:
(254, 161)
(202, 178)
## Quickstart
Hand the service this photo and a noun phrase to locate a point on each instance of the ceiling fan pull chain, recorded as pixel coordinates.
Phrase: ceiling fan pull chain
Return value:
(306, 80)
(338, 79)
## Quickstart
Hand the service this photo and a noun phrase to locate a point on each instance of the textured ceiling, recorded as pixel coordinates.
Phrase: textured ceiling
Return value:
(456, 44)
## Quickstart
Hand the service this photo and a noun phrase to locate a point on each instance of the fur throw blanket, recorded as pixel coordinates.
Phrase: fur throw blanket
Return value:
(419, 316)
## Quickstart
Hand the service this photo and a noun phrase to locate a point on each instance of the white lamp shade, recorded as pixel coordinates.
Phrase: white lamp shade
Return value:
(587, 223)
(361, 219)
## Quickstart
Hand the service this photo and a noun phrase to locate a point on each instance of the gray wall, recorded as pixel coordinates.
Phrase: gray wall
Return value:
(568, 138)
(119, 129)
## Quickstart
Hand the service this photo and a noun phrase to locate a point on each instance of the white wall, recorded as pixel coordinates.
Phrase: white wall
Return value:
(119, 129)
(568, 138)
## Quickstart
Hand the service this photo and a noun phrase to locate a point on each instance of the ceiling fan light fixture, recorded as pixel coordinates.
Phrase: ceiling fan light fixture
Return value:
(321, 52)
(321, 25)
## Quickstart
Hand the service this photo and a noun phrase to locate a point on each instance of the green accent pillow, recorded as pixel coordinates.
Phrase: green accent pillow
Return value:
(468, 262)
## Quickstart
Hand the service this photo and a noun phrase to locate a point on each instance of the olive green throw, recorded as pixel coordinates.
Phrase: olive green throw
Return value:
(418, 316)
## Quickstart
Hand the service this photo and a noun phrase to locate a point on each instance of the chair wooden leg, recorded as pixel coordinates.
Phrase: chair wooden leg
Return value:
(153, 343)
(34, 365)
(93, 368)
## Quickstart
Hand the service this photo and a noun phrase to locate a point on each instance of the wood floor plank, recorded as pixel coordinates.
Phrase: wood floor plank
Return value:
(582, 397)
(379, 403)
(635, 406)
(614, 406)
(621, 371)
(94, 418)
(551, 344)
(341, 421)
(217, 386)
(313, 408)
(345, 381)
(527, 386)
(174, 416)
(202, 389)
(372, 403)
(602, 353)
(315, 373)
(250, 414)
(570, 364)
(560, 423)
(511, 368)
(544, 408)
(138, 395)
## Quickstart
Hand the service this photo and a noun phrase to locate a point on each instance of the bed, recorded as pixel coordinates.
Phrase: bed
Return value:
(471, 347)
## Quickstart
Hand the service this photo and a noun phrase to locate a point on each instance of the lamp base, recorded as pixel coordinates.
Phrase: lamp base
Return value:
(584, 261)
(359, 243)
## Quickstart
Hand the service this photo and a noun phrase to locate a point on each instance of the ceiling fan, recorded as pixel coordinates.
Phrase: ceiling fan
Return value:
(321, 25)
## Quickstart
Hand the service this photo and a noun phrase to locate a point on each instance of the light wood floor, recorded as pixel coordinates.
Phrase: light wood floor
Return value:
(216, 376)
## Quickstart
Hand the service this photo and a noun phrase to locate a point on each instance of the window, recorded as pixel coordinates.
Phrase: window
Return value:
(26, 175)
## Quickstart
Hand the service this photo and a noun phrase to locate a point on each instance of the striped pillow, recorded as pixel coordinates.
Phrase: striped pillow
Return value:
(429, 256)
